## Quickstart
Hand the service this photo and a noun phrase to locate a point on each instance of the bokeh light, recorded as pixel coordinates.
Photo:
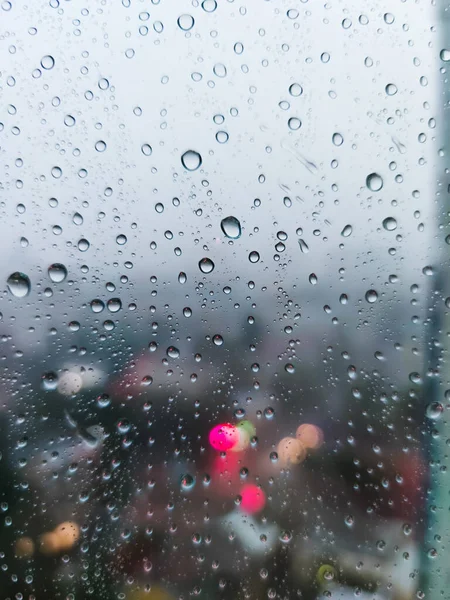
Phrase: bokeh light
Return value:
(224, 437)
(291, 451)
(253, 499)
(310, 436)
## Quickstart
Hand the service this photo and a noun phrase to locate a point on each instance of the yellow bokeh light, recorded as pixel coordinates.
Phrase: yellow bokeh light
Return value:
(291, 451)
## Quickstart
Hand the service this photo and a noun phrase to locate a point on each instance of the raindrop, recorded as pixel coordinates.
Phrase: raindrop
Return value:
(347, 231)
(172, 352)
(295, 90)
(254, 257)
(390, 224)
(19, 284)
(445, 55)
(231, 227)
(47, 62)
(185, 22)
(303, 246)
(146, 149)
(209, 6)
(206, 265)
(83, 245)
(97, 306)
(294, 123)
(337, 139)
(121, 239)
(371, 296)
(391, 89)
(57, 272)
(114, 305)
(49, 381)
(434, 410)
(374, 182)
(187, 482)
(69, 121)
(182, 277)
(218, 340)
(191, 160)
(100, 146)
(220, 70)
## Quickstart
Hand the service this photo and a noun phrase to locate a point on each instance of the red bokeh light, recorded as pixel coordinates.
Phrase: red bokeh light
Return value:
(223, 437)
(253, 499)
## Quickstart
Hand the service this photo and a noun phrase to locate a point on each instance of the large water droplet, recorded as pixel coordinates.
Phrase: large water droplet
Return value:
(347, 231)
(172, 352)
(206, 265)
(47, 62)
(191, 160)
(390, 224)
(187, 482)
(19, 284)
(371, 296)
(57, 272)
(374, 182)
(185, 22)
(434, 410)
(303, 246)
(231, 227)
(445, 55)
(254, 257)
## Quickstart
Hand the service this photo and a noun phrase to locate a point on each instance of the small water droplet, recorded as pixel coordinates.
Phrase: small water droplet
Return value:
(295, 90)
(172, 352)
(19, 284)
(206, 265)
(49, 381)
(114, 305)
(231, 227)
(218, 340)
(146, 149)
(57, 272)
(187, 482)
(390, 224)
(303, 246)
(347, 231)
(47, 62)
(374, 182)
(185, 22)
(191, 160)
(391, 89)
(434, 410)
(371, 296)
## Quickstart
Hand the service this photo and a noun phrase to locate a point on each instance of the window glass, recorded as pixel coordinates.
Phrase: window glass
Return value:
(224, 300)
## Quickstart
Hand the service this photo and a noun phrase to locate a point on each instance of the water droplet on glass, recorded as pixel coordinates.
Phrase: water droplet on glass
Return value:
(185, 22)
(100, 146)
(434, 410)
(182, 277)
(347, 231)
(146, 149)
(206, 265)
(172, 352)
(49, 381)
(121, 239)
(374, 182)
(209, 5)
(444, 55)
(254, 257)
(19, 284)
(371, 296)
(57, 272)
(114, 305)
(97, 306)
(191, 160)
(294, 123)
(391, 89)
(83, 245)
(47, 62)
(217, 340)
(390, 224)
(220, 70)
(187, 482)
(303, 246)
(295, 90)
(77, 219)
(231, 227)
(337, 139)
